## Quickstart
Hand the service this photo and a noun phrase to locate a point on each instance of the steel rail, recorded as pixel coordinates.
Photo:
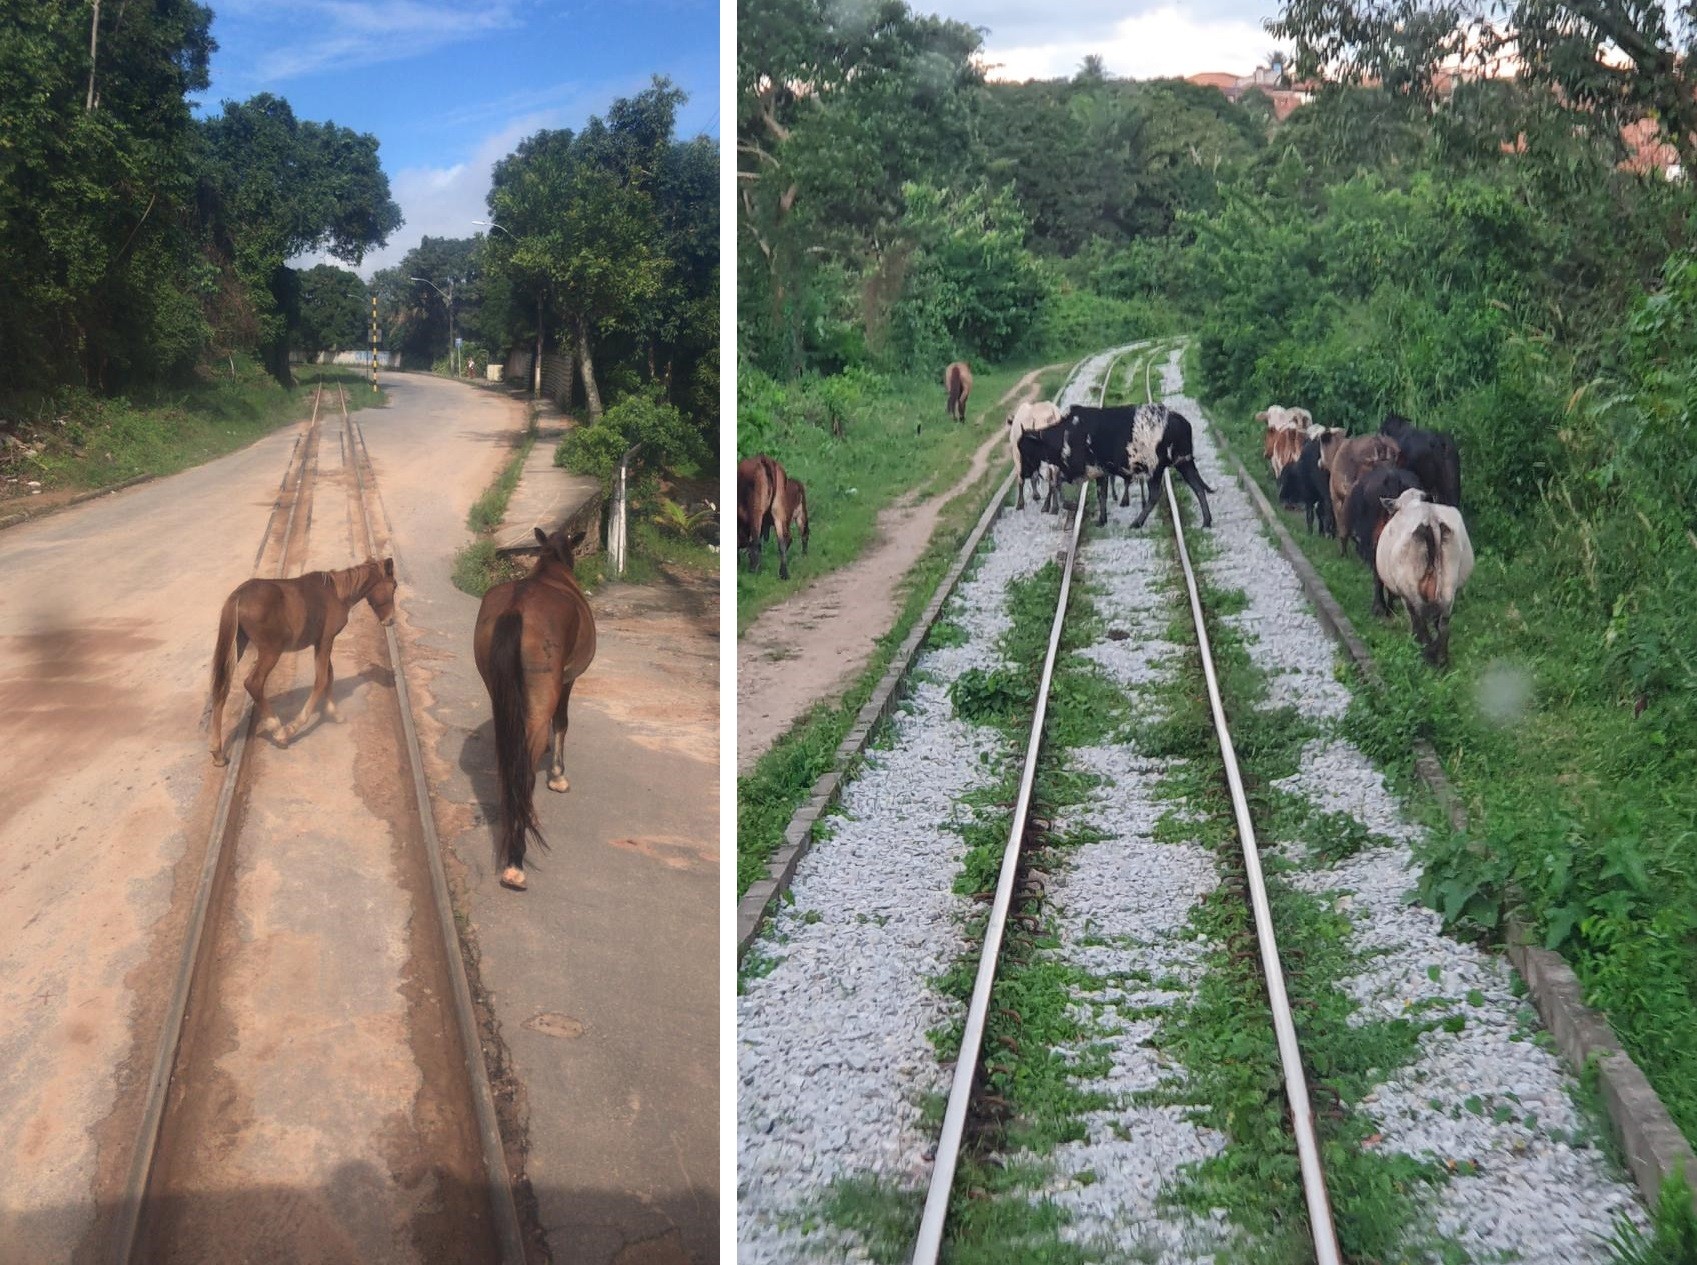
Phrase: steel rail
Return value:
(929, 1244)
(497, 1182)
(132, 1200)
(1290, 1058)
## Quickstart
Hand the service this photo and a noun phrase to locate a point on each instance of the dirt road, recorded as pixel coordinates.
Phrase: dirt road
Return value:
(812, 645)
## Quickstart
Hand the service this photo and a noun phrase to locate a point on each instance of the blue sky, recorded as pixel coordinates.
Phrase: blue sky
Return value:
(449, 88)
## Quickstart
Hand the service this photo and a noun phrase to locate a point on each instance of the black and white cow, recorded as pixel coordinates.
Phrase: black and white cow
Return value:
(1126, 441)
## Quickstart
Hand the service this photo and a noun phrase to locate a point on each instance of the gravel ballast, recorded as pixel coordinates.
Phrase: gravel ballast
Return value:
(1529, 1182)
(834, 1060)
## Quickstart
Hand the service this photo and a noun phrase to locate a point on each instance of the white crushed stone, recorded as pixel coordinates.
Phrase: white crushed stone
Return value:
(1540, 1191)
(833, 1055)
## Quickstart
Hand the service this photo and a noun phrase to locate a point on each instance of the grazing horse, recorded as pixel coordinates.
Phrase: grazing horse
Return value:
(957, 381)
(282, 615)
(761, 492)
(792, 509)
(534, 638)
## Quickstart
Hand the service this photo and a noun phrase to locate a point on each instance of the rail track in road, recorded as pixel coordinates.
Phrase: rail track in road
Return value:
(1079, 897)
(319, 1088)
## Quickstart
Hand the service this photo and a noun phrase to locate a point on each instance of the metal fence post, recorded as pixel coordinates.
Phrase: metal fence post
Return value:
(621, 511)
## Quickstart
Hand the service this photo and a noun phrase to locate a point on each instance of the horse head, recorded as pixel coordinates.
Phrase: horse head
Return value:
(559, 546)
(381, 594)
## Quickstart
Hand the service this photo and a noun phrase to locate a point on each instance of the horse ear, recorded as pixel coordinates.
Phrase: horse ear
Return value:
(574, 541)
(389, 567)
(541, 537)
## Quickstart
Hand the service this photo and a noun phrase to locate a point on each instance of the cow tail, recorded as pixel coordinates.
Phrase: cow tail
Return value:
(1427, 534)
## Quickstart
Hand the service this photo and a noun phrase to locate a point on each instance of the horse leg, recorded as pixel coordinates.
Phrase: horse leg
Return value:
(322, 677)
(557, 768)
(265, 658)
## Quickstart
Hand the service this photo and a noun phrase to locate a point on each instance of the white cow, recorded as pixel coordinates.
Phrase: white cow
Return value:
(1423, 557)
(1032, 415)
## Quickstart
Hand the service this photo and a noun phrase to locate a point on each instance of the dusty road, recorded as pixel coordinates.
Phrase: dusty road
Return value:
(106, 630)
(603, 976)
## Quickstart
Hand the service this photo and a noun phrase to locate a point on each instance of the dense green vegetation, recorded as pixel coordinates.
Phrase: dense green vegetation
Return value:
(1479, 255)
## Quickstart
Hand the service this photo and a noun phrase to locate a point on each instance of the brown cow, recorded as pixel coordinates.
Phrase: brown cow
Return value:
(1346, 460)
(1284, 448)
(957, 381)
(760, 487)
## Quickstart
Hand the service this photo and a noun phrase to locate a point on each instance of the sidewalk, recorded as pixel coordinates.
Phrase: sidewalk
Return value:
(547, 495)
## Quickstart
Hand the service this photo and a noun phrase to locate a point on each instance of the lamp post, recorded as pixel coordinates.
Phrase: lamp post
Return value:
(536, 365)
(448, 299)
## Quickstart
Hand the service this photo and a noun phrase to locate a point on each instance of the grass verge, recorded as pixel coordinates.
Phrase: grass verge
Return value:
(477, 567)
(878, 460)
(72, 441)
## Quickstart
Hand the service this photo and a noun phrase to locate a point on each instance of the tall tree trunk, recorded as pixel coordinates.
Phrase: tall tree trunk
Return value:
(93, 51)
(591, 392)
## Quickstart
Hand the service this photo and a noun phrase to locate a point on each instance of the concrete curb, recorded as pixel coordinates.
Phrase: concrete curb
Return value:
(757, 902)
(29, 516)
(1654, 1147)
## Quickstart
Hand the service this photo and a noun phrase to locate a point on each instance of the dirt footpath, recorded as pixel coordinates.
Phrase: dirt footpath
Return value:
(603, 976)
(812, 645)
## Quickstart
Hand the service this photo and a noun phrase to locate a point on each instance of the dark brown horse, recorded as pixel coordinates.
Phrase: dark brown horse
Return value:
(283, 615)
(534, 638)
(957, 381)
(761, 492)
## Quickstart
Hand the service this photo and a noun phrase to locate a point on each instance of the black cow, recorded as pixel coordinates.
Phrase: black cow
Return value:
(1430, 454)
(1304, 483)
(1131, 440)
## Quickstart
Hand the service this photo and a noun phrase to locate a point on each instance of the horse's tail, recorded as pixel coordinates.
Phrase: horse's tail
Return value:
(229, 629)
(512, 748)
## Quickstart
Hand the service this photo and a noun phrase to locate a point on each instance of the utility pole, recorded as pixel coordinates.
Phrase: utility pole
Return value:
(374, 341)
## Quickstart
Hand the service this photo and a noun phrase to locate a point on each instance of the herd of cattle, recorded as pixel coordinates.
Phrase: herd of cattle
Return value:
(1395, 494)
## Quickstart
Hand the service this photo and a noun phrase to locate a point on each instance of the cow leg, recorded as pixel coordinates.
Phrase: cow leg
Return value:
(557, 766)
(1193, 477)
(1125, 493)
(1101, 500)
(1154, 492)
(784, 556)
(264, 660)
(1019, 485)
(754, 556)
(1381, 607)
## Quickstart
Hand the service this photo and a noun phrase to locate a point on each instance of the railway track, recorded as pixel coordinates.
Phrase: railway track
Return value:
(841, 1009)
(319, 1089)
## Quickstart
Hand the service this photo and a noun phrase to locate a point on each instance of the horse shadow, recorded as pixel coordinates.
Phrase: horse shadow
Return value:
(477, 762)
(288, 703)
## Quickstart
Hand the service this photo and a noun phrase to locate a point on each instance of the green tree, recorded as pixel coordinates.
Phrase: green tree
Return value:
(278, 187)
(335, 311)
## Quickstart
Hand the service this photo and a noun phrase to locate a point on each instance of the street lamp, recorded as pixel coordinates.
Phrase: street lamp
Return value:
(448, 299)
(536, 367)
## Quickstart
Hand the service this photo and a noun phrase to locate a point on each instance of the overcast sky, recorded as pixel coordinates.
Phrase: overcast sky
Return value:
(450, 87)
(1136, 39)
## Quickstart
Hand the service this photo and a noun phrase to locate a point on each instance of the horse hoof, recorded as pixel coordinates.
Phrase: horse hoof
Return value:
(560, 784)
(219, 759)
(272, 725)
(513, 877)
(331, 711)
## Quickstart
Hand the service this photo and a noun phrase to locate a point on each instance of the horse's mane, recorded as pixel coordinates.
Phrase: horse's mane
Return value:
(352, 583)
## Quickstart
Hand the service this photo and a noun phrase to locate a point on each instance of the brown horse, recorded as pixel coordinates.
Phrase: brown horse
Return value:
(792, 509)
(534, 638)
(283, 615)
(761, 493)
(957, 381)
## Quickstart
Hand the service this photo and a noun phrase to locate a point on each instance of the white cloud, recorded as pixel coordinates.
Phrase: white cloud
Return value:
(1167, 41)
(342, 32)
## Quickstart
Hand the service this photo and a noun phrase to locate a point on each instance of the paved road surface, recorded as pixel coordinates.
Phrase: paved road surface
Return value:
(604, 974)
